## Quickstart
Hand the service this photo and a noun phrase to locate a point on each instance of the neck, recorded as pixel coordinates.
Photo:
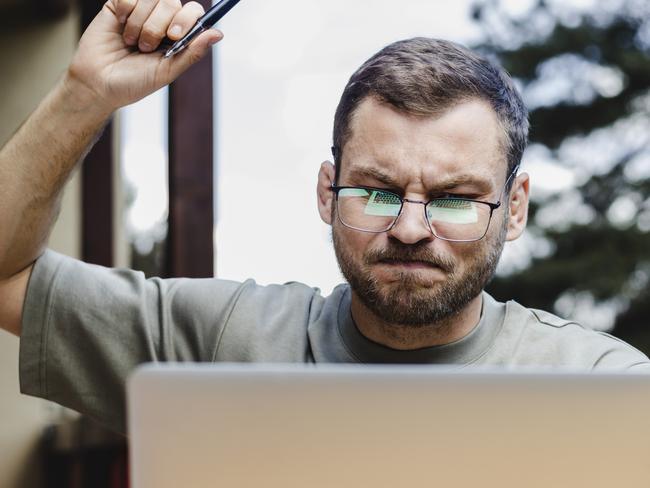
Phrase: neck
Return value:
(408, 337)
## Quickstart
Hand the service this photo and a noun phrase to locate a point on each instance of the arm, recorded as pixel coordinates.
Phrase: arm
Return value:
(107, 72)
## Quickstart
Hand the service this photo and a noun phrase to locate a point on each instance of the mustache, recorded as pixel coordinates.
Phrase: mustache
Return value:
(409, 253)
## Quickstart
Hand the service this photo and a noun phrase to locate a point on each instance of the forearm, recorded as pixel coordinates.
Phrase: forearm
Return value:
(107, 72)
(35, 165)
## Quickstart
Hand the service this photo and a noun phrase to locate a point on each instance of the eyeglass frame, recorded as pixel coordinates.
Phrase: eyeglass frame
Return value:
(493, 206)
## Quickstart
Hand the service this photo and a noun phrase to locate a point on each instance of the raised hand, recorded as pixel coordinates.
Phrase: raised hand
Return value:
(117, 62)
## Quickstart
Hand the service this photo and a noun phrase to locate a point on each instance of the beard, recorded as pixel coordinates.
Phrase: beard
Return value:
(410, 301)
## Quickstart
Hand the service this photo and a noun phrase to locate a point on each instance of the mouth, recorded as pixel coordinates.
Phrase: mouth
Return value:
(409, 264)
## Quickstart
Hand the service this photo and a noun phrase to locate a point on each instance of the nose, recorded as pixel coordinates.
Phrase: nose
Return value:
(411, 226)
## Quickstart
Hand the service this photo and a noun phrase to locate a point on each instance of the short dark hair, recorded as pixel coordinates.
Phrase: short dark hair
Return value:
(423, 76)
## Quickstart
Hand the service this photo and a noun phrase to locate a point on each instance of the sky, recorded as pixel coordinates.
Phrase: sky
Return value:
(281, 70)
(279, 74)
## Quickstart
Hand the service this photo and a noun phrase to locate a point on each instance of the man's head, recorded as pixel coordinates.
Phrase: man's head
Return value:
(426, 119)
(425, 77)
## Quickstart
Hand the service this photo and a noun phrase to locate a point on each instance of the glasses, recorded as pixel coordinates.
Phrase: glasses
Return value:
(375, 210)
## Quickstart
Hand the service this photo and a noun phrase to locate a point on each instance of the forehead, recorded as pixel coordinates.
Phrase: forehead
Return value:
(464, 140)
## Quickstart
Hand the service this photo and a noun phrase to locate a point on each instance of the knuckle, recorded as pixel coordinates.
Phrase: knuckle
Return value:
(152, 32)
(131, 31)
(131, 21)
(173, 4)
(143, 4)
(132, 27)
(124, 7)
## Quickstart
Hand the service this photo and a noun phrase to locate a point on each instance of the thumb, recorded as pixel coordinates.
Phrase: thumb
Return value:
(195, 51)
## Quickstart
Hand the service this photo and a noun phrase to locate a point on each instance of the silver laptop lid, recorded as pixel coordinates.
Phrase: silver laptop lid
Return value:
(351, 426)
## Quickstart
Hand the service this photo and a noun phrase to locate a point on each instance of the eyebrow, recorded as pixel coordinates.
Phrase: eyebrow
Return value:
(453, 182)
(375, 174)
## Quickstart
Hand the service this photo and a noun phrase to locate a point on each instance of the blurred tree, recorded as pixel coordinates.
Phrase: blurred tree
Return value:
(585, 76)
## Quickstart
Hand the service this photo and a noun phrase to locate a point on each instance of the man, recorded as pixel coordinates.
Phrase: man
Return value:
(423, 194)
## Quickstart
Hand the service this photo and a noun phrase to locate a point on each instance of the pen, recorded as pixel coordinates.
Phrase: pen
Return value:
(206, 21)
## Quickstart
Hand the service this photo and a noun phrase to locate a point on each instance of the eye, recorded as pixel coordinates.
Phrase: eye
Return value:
(382, 203)
(385, 197)
(389, 190)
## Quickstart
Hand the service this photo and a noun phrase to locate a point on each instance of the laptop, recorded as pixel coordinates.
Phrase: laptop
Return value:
(344, 426)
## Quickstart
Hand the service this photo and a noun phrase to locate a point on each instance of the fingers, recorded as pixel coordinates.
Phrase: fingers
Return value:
(148, 21)
(135, 21)
(123, 9)
(184, 20)
(155, 27)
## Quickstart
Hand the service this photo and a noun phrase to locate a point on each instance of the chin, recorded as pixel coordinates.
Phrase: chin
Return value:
(409, 294)
(415, 302)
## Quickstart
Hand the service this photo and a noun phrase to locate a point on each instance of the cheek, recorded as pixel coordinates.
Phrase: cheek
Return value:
(474, 255)
(354, 243)
(470, 252)
(462, 255)
(498, 230)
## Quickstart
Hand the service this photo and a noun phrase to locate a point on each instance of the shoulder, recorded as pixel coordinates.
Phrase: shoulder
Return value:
(226, 320)
(271, 322)
(538, 337)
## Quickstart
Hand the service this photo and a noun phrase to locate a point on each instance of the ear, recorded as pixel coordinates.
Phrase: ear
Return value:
(324, 191)
(518, 207)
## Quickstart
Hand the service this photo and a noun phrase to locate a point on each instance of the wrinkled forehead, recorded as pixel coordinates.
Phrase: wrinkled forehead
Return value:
(464, 143)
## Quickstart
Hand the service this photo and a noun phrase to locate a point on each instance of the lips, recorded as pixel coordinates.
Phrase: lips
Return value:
(413, 264)
(406, 258)
(410, 266)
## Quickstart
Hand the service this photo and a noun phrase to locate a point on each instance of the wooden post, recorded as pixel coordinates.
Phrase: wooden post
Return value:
(190, 249)
(97, 182)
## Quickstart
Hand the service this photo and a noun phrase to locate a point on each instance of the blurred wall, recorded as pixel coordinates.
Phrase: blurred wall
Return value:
(33, 58)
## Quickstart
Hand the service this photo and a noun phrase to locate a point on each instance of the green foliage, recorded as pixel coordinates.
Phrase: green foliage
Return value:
(606, 256)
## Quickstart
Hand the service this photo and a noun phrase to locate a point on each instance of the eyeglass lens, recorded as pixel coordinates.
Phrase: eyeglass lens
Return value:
(376, 211)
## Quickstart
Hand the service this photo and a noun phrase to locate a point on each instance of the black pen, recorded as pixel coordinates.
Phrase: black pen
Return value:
(206, 21)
